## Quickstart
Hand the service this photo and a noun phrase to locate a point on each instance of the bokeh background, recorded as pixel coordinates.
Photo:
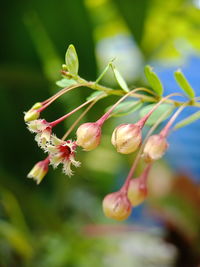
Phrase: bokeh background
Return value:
(60, 223)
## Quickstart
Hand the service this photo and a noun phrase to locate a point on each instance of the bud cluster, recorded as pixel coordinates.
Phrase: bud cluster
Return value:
(126, 139)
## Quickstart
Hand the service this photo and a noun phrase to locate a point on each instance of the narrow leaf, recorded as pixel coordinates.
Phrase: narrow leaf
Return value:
(163, 108)
(96, 94)
(184, 84)
(120, 80)
(65, 82)
(71, 60)
(125, 108)
(153, 80)
(188, 120)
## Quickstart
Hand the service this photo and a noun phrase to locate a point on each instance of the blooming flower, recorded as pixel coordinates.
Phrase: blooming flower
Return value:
(62, 152)
(39, 170)
(43, 131)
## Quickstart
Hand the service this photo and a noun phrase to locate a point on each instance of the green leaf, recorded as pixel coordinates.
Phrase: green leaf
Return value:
(153, 80)
(96, 94)
(188, 120)
(71, 60)
(157, 113)
(184, 84)
(120, 80)
(125, 108)
(65, 82)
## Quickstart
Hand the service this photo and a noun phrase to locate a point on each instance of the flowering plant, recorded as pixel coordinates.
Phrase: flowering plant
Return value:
(126, 138)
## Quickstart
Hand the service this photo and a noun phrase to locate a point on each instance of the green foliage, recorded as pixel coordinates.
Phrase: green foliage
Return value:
(163, 108)
(125, 108)
(192, 118)
(120, 80)
(184, 84)
(153, 80)
(65, 82)
(71, 60)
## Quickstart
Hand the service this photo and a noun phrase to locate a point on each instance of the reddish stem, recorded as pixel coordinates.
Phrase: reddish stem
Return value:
(54, 123)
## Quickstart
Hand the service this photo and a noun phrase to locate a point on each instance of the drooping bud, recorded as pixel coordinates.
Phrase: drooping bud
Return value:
(33, 113)
(126, 138)
(117, 206)
(155, 148)
(88, 135)
(39, 170)
(137, 191)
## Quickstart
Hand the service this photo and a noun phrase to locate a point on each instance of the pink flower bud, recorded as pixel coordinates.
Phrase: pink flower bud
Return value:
(137, 191)
(127, 138)
(155, 148)
(117, 206)
(39, 170)
(88, 135)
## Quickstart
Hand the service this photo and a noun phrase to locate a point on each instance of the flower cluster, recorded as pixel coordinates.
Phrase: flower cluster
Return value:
(126, 138)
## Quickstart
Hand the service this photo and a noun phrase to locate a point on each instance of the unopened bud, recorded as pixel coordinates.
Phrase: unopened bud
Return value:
(155, 148)
(127, 138)
(33, 113)
(88, 136)
(39, 170)
(117, 206)
(137, 191)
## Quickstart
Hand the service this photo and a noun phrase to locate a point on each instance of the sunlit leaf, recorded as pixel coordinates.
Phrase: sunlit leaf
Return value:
(120, 80)
(65, 82)
(153, 80)
(96, 94)
(188, 120)
(71, 60)
(125, 108)
(163, 108)
(184, 84)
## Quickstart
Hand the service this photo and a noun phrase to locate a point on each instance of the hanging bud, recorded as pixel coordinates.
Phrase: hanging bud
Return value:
(88, 136)
(155, 148)
(39, 170)
(117, 206)
(126, 138)
(33, 113)
(137, 191)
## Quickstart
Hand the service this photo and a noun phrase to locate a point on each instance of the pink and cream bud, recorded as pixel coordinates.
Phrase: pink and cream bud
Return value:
(117, 206)
(88, 136)
(33, 113)
(137, 191)
(39, 170)
(155, 148)
(126, 138)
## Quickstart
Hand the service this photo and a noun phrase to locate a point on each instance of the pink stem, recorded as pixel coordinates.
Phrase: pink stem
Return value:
(54, 123)
(107, 114)
(166, 129)
(141, 122)
(47, 102)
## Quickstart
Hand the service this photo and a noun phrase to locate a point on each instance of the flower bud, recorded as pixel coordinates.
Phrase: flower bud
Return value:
(33, 113)
(127, 138)
(155, 148)
(137, 191)
(117, 206)
(39, 170)
(88, 136)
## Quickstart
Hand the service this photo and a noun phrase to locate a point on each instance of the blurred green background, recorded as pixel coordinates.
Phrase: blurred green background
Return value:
(60, 223)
